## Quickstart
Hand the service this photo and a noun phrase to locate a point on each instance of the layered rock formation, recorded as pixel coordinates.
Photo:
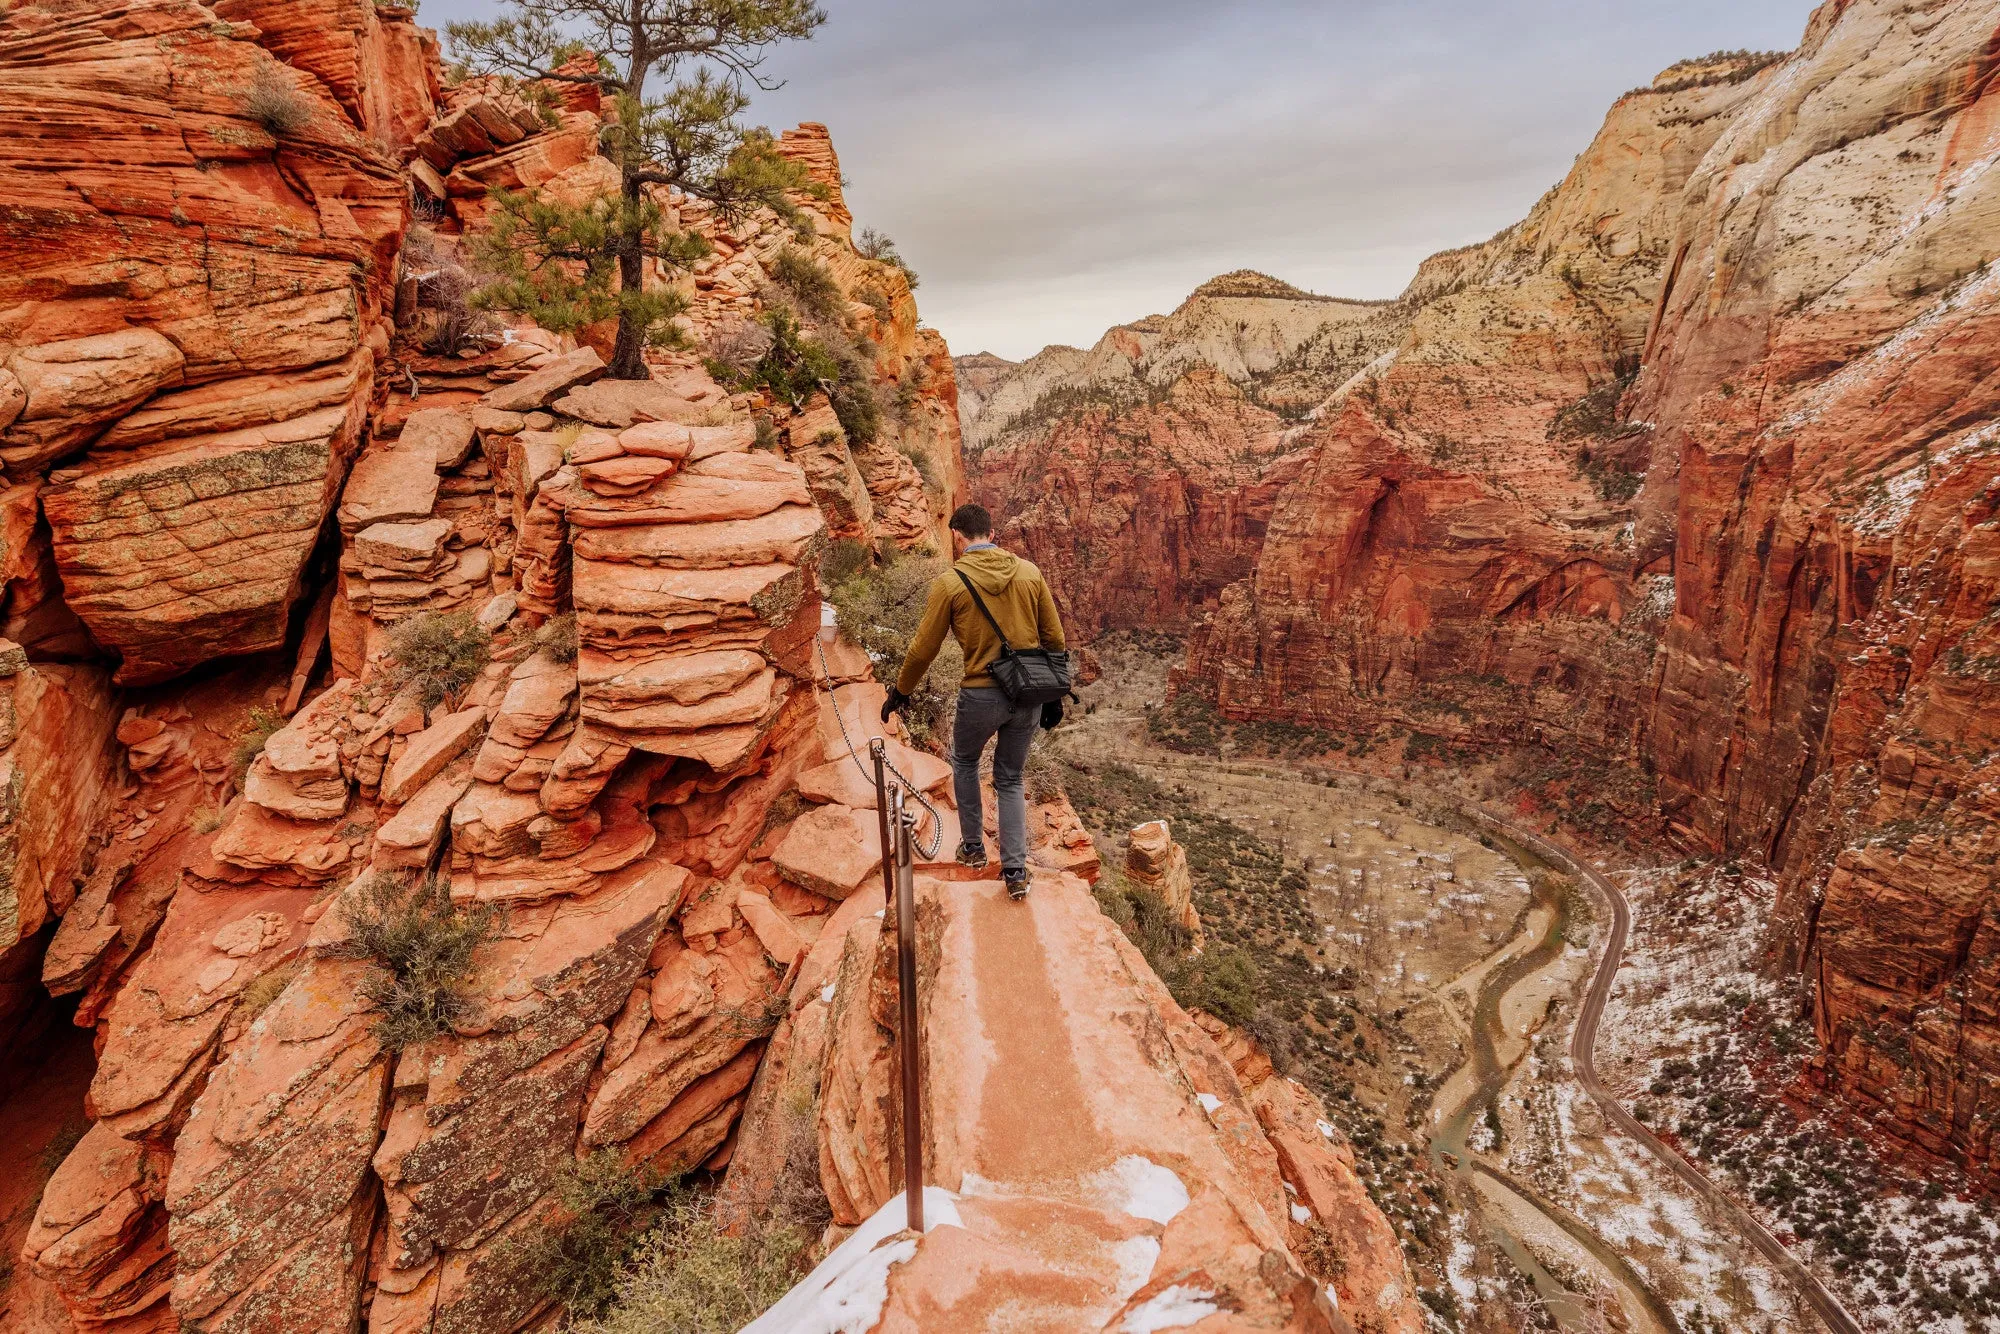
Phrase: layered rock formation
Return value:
(242, 457)
(1688, 478)
(199, 426)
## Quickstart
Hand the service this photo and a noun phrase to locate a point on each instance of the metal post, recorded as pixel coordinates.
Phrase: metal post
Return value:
(898, 826)
(876, 749)
(906, 968)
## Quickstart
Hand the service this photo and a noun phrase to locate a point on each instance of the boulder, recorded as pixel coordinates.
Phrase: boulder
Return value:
(546, 385)
(430, 751)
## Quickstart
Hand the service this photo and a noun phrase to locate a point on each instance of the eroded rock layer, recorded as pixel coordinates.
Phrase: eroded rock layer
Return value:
(245, 450)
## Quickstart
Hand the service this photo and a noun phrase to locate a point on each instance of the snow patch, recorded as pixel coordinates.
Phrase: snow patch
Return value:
(1209, 1102)
(846, 1293)
(1141, 1188)
(1173, 1308)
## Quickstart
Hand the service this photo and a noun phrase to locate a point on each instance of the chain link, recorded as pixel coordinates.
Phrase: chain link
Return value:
(929, 852)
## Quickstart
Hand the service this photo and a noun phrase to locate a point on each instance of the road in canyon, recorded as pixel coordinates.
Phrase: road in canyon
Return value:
(1583, 1043)
(1583, 1053)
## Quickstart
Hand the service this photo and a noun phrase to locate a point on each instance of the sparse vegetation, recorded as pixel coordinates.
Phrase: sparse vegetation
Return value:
(276, 103)
(438, 654)
(808, 282)
(557, 638)
(448, 322)
(926, 466)
(263, 725)
(267, 987)
(879, 607)
(424, 949)
(874, 245)
(1716, 67)
(689, 1276)
(604, 1203)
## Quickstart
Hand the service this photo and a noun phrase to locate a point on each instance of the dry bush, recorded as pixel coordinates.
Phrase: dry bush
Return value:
(734, 347)
(578, 1262)
(691, 1277)
(263, 725)
(438, 654)
(446, 285)
(274, 102)
(558, 638)
(267, 987)
(424, 948)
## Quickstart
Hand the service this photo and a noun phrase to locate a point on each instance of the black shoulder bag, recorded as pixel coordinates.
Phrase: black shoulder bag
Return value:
(1031, 676)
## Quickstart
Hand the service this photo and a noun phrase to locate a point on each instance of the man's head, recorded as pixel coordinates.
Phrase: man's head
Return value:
(969, 524)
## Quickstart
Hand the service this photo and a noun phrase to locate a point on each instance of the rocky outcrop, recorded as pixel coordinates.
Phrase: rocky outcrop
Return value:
(1158, 865)
(200, 428)
(1140, 1171)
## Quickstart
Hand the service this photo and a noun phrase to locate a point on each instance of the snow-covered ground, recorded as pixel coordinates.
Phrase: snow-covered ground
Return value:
(1703, 1047)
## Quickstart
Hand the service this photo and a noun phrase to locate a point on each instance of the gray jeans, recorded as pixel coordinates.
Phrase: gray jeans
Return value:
(982, 712)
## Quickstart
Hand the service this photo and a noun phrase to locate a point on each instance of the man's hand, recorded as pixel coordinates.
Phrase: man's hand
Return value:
(896, 702)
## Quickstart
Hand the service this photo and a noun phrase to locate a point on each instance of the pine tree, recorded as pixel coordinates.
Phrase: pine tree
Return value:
(568, 265)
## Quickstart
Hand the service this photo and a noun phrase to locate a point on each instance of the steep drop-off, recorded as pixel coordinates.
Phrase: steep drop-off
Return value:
(1689, 478)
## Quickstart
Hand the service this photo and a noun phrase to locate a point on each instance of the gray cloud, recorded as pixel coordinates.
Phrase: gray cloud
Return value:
(1053, 167)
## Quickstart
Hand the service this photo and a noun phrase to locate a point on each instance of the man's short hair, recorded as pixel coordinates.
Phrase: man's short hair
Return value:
(972, 520)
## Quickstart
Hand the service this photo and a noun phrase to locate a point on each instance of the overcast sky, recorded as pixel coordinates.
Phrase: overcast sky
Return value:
(1054, 167)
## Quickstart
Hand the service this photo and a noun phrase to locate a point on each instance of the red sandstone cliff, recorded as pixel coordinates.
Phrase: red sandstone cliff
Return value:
(230, 476)
(1689, 476)
(1141, 474)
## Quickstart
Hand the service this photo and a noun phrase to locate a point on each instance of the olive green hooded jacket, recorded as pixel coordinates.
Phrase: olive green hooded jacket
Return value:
(1015, 593)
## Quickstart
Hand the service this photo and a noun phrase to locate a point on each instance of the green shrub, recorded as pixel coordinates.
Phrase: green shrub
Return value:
(688, 1276)
(423, 947)
(874, 245)
(878, 608)
(263, 725)
(439, 654)
(1223, 982)
(274, 102)
(844, 560)
(558, 638)
(809, 283)
(578, 1262)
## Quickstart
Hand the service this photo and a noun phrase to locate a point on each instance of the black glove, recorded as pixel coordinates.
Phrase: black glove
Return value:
(1052, 715)
(897, 700)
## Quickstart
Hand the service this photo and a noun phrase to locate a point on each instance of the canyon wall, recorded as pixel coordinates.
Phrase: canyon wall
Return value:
(1689, 478)
(1142, 474)
(250, 433)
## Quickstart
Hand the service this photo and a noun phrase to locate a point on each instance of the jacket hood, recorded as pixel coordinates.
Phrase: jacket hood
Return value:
(990, 569)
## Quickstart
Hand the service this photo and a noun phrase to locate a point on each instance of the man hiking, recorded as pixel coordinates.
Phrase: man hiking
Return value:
(1017, 598)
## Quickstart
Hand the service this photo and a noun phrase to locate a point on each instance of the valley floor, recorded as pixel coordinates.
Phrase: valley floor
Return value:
(1426, 928)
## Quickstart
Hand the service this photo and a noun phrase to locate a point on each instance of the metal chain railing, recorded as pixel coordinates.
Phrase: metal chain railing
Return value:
(927, 849)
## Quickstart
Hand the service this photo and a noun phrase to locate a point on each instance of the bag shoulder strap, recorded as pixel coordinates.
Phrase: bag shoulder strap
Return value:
(980, 603)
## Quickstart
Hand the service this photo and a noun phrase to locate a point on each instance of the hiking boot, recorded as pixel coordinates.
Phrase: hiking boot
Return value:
(972, 855)
(1017, 884)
